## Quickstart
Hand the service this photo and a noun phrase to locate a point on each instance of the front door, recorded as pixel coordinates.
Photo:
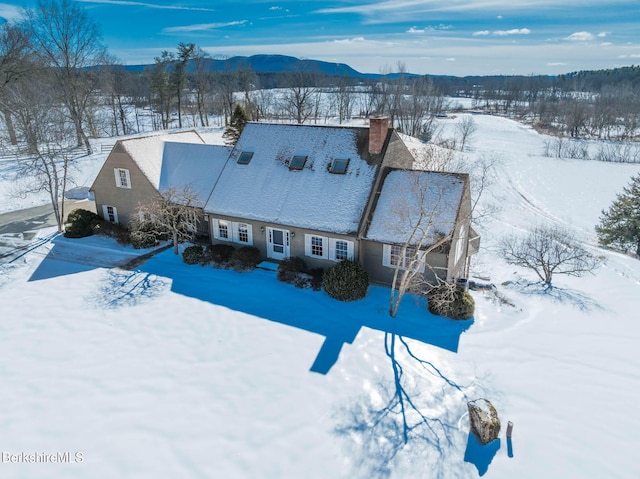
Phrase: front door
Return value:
(277, 243)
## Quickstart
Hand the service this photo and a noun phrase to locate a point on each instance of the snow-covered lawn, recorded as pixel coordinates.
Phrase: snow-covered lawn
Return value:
(174, 371)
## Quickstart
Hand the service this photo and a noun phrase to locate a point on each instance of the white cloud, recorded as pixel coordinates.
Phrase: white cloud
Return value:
(481, 33)
(602, 34)
(9, 12)
(275, 8)
(442, 26)
(580, 37)
(130, 3)
(202, 27)
(515, 31)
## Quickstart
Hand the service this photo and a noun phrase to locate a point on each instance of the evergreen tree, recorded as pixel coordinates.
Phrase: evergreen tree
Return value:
(620, 225)
(239, 119)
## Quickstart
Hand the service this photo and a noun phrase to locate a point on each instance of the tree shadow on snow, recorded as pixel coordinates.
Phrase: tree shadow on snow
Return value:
(556, 294)
(121, 288)
(410, 426)
(260, 294)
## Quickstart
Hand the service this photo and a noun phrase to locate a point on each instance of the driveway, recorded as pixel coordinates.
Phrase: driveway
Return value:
(18, 228)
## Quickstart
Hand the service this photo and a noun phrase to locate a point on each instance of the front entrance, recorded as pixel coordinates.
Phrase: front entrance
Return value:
(277, 243)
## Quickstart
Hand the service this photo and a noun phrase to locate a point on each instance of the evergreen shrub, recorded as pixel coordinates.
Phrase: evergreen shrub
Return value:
(346, 281)
(245, 258)
(80, 223)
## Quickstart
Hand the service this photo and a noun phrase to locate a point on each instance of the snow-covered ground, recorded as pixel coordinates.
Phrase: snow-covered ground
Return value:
(172, 370)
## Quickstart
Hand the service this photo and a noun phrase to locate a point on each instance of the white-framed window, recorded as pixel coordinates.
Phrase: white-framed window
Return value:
(110, 213)
(222, 230)
(242, 233)
(233, 231)
(334, 249)
(340, 249)
(316, 246)
(392, 256)
(123, 180)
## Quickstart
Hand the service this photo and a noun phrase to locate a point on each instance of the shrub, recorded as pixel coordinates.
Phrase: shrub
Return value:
(80, 223)
(290, 269)
(193, 254)
(346, 281)
(144, 234)
(112, 230)
(220, 253)
(316, 278)
(451, 302)
(245, 258)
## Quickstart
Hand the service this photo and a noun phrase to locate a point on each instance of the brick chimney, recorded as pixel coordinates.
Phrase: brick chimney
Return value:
(378, 128)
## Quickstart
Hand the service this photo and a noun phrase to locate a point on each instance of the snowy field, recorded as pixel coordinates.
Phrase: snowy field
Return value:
(186, 371)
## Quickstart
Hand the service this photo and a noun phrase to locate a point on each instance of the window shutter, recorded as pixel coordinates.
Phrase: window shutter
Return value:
(386, 255)
(350, 250)
(105, 212)
(126, 172)
(332, 249)
(422, 258)
(234, 232)
(116, 172)
(250, 234)
(307, 245)
(216, 231)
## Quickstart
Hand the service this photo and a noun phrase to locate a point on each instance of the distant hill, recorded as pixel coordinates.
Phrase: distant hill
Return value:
(282, 64)
(274, 64)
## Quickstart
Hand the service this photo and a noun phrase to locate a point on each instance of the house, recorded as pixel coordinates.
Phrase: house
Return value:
(140, 167)
(323, 193)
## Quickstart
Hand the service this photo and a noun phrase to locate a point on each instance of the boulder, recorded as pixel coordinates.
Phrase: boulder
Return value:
(484, 420)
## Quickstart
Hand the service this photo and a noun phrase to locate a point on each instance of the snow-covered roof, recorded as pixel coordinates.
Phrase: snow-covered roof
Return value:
(266, 189)
(146, 151)
(405, 195)
(191, 164)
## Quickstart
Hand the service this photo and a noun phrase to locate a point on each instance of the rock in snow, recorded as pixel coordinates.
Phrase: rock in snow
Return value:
(484, 420)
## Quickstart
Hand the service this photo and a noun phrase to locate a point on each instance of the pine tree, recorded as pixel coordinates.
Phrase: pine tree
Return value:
(620, 225)
(239, 119)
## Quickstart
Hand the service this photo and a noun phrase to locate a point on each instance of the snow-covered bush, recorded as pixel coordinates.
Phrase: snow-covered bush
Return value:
(193, 254)
(245, 258)
(450, 301)
(346, 281)
(80, 223)
(144, 234)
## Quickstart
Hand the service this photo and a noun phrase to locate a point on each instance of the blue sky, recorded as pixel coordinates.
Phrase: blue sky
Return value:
(456, 37)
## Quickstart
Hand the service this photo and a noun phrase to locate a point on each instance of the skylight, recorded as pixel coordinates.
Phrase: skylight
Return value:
(297, 162)
(245, 157)
(339, 166)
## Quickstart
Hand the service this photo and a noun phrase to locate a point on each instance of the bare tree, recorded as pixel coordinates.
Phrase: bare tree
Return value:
(465, 129)
(299, 98)
(173, 211)
(422, 218)
(548, 250)
(67, 40)
(14, 65)
(49, 141)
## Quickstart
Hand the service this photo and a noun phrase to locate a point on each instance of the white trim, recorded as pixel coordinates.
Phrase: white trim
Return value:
(286, 247)
(332, 249)
(324, 244)
(386, 258)
(216, 229)
(236, 233)
(118, 176)
(107, 216)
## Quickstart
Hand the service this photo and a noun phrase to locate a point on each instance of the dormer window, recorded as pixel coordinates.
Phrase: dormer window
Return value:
(245, 157)
(339, 166)
(297, 162)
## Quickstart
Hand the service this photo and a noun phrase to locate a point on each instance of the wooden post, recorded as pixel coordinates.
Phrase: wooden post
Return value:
(509, 429)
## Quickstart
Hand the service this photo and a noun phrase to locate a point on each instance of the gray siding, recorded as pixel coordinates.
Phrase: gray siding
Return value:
(371, 258)
(126, 200)
(297, 240)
